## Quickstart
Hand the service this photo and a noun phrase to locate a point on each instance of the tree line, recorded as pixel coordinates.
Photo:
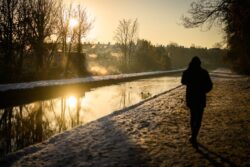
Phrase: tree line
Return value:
(41, 39)
(109, 59)
(140, 55)
(32, 32)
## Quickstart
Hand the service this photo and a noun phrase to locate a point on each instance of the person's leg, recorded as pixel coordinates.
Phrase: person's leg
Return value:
(192, 124)
(197, 122)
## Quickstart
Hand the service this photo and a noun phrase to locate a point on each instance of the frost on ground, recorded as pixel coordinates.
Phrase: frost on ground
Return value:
(155, 133)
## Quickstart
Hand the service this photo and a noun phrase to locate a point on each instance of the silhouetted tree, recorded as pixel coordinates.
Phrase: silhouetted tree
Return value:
(26, 28)
(206, 12)
(63, 26)
(84, 25)
(237, 29)
(162, 58)
(14, 35)
(74, 34)
(148, 57)
(42, 24)
(8, 24)
(234, 17)
(144, 60)
(22, 43)
(125, 36)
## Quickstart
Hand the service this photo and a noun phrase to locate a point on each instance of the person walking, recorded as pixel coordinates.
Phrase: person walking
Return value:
(198, 83)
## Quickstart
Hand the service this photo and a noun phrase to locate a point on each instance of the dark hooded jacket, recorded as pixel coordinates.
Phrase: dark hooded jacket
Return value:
(198, 84)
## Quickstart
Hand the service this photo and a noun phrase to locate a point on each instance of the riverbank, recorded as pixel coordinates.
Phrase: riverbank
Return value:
(155, 133)
(23, 93)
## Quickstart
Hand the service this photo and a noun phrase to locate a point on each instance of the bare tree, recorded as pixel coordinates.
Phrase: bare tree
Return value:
(14, 35)
(63, 26)
(22, 35)
(76, 34)
(8, 10)
(83, 27)
(234, 17)
(125, 36)
(206, 12)
(43, 21)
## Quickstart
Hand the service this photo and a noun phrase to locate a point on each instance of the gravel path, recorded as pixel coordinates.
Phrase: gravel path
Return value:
(155, 133)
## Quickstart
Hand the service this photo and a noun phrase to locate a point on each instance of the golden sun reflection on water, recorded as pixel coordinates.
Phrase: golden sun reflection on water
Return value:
(71, 101)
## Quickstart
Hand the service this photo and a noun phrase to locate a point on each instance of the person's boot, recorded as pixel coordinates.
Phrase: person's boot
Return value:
(194, 143)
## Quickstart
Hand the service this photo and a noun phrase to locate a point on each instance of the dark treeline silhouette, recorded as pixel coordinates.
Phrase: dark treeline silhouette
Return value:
(212, 58)
(39, 40)
(233, 17)
(140, 55)
(33, 32)
(148, 57)
(103, 59)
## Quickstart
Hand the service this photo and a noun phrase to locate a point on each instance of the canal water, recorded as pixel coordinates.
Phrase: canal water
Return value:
(27, 124)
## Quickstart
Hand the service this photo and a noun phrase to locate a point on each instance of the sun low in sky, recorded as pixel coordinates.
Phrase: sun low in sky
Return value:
(159, 21)
(73, 23)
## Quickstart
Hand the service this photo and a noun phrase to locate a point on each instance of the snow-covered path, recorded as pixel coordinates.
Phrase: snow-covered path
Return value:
(155, 133)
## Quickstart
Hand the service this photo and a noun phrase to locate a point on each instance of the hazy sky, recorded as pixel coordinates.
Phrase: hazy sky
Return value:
(159, 21)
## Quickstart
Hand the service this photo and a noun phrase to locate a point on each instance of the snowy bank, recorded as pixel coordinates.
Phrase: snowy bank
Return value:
(41, 90)
(155, 133)
(85, 80)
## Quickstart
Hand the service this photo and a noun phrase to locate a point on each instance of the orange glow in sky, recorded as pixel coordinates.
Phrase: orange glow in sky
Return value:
(159, 21)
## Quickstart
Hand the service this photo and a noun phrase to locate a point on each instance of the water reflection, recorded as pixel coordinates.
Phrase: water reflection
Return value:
(27, 124)
(71, 101)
